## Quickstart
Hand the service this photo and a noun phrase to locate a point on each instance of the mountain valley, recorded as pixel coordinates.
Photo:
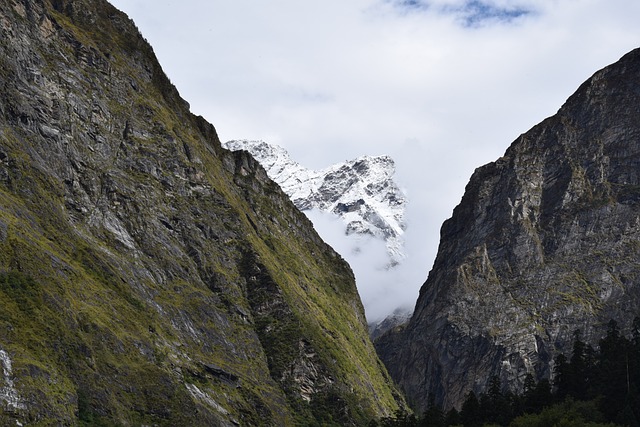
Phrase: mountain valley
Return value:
(151, 275)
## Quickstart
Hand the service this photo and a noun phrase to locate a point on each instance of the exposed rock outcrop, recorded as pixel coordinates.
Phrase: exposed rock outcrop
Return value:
(147, 275)
(397, 319)
(545, 241)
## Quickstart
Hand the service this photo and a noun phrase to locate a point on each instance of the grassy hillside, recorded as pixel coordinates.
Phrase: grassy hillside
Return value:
(147, 276)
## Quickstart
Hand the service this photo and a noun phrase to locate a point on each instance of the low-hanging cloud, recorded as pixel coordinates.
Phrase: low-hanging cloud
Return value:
(381, 289)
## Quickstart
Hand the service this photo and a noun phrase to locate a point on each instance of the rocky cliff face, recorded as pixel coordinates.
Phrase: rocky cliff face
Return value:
(545, 241)
(397, 319)
(148, 276)
(361, 191)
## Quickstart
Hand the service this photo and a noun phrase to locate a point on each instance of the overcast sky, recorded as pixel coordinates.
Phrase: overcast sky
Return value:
(442, 86)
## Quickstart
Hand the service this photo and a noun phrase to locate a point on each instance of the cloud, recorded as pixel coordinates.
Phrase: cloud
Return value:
(475, 13)
(470, 13)
(381, 289)
(410, 5)
(443, 86)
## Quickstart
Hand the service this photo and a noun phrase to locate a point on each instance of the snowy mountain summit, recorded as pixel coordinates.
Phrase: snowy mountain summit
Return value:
(361, 191)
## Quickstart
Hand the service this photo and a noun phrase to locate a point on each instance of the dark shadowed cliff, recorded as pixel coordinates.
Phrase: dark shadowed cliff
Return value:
(147, 276)
(546, 240)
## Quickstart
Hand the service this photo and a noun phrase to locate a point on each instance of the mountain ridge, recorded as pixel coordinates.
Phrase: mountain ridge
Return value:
(543, 243)
(360, 191)
(147, 275)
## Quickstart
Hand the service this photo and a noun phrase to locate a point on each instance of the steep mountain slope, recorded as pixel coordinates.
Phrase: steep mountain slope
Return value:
(148, 276)
(361, 191)
(546, 240)
(396, 319)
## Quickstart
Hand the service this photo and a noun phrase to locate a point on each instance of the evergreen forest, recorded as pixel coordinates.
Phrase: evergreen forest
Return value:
(591, 387)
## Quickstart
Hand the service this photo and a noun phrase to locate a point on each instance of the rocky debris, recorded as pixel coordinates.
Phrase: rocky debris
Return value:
(543, 243)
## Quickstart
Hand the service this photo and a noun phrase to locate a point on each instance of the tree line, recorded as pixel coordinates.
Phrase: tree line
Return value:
(593, 387)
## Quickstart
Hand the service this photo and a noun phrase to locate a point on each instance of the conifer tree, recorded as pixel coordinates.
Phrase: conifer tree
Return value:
(528, 393)
(577, 371)
(495, 405)
(561, 376)
(470, 414)
(613, 373)
(453, 418)
(433, 416)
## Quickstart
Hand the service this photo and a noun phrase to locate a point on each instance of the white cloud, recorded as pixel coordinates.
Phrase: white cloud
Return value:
(443, 88)
(380, 288)
(469, 13)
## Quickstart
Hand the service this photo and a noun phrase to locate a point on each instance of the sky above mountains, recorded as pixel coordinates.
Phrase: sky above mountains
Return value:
(443, 86)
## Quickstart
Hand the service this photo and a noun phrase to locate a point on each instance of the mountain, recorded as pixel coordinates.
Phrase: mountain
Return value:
(147, 275)
(361, 191)
(396, 319)
(544, 242)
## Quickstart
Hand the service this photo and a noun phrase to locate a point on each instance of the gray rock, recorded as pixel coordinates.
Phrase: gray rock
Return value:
(155, 278)
(545, 241)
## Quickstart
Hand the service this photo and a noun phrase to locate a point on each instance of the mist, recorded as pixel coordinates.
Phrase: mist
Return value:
(381, 289)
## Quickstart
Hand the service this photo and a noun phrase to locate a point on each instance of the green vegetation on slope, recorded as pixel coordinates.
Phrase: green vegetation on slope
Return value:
(148, 276)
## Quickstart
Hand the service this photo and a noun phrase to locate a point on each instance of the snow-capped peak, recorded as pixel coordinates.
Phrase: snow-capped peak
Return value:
(360, 191)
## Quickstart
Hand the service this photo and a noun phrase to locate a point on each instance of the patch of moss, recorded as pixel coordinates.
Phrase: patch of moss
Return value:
(22, 290)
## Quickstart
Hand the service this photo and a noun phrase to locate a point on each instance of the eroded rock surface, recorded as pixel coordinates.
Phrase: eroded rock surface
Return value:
(546, 240)
(148, 276)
